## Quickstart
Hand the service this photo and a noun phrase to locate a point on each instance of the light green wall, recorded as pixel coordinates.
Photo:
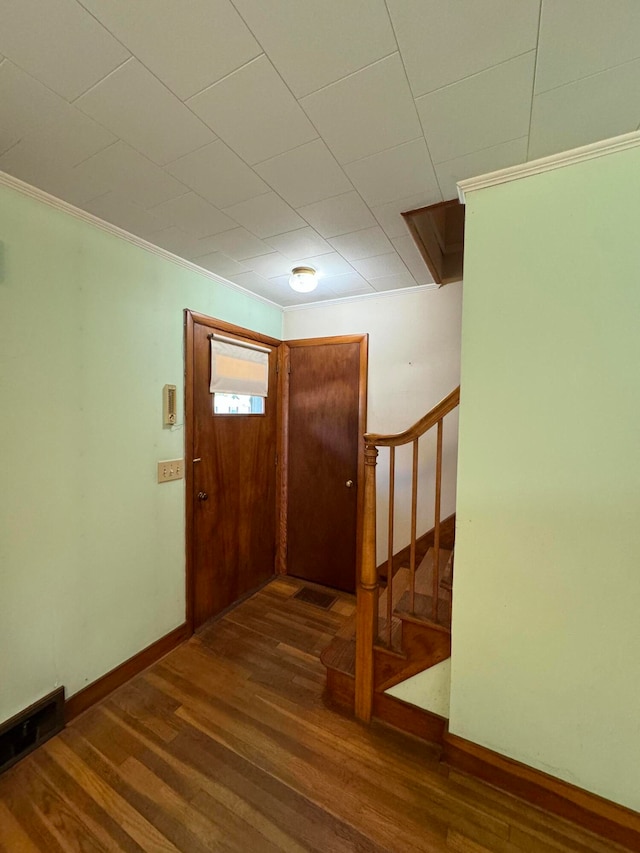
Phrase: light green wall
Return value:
(546, 620)
(91, 547)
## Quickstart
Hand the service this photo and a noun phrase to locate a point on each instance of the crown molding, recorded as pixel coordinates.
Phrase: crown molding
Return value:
(547, 164)
(382, 294)
(64, 206)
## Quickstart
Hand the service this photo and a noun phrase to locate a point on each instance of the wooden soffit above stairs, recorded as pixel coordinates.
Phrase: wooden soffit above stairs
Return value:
(438, 232)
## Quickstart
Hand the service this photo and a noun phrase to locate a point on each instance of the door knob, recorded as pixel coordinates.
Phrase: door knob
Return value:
(202, 496)
(349, 483)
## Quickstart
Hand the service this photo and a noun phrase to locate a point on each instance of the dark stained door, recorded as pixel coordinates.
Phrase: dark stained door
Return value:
(233, 502)
(326, 413)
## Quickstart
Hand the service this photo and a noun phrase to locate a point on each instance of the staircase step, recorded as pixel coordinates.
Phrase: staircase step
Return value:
(447, 575)
(422, 611)
(382, 641)
(340, 655)
(424, 572)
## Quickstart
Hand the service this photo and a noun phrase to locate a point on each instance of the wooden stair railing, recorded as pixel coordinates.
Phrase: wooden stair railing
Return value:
(367, 591)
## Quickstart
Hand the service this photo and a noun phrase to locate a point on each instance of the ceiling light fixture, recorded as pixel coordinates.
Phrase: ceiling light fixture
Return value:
(303, 279)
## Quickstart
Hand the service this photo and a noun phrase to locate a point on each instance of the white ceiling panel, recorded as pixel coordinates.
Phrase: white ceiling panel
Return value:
(174, 240)
(194, 215)
(408, 251)
(299, 244)
(314, 44)
(479, 163)
(338, 215)
(586, 111)
(25, 104)
(389, 215)
(251, 280)
(136, 106)
(366, 112)
(306, 174)
(484, 110)
(125, 214)
(254, 112)
(393, 282)
(445, 42)
(124, 170)
(382, 265)
(266, 215)
(60, 43)
(53, 177)
(220, 264)
(240, 244)
(271, 265)
(583, 37)
(396, 173)
(218, 174)
(67, 139)
(328, 264)
(348, 285)
(188, 46)
(362, 244)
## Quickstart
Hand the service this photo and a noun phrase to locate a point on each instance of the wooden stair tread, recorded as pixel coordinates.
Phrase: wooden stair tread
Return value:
(447, 575)
(340, 655)
(422, 610)
(382, 642)
(424, 572)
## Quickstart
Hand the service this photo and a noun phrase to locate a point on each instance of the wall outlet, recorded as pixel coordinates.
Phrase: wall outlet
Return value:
(172, 469)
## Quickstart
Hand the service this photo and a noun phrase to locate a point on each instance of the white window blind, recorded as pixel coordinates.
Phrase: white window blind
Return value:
(238, 369)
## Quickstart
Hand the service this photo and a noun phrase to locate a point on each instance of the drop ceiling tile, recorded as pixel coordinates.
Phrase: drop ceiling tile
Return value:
(137, 107)
(276, 292)
(297, 244)
(579, 38)
(349, 284)
(362, 244)
(67, 139)
(338, 215)
(389, 215)
(271, 265)
(445, 42)
(479, 163)
(187, 49)
(220, 264)
(484, 110)
(53, 177)
(328, 265)
(125, 214)
(266, 215)
(251, 280)
(194, 215)
(218, 174)
(254, 112)
(306, 174)
(393, 282)
(239, 244)
(412, 258)
(124, 170)
(26, 104)
(174, 240)
(60, 43)
(382, 265)
(320, 42)
(397, 173)
(366, 112)
(597, 107)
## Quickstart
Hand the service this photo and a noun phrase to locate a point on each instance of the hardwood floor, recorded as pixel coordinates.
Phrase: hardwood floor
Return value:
(226, 744)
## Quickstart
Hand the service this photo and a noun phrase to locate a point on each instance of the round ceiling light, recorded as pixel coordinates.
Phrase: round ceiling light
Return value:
(303, 279)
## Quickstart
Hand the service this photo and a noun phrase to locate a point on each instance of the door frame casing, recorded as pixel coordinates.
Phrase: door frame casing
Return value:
(283, 452)
(190, 320)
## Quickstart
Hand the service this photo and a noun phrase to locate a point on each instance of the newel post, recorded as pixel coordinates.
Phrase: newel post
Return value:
(367, 593)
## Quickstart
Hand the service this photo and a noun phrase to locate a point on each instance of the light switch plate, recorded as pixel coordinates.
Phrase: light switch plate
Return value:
(172, 469)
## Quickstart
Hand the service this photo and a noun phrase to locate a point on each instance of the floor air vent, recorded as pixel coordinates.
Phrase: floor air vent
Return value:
(23, 733)
(316, 597)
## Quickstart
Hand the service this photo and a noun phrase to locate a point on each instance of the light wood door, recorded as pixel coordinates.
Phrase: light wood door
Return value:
(325, 422)
(231, 496)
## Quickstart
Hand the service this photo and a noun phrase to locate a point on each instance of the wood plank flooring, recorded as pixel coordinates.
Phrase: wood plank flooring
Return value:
(226, 744)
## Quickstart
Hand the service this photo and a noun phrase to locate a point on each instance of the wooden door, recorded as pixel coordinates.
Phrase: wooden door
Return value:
(325, 421)
(231, 484)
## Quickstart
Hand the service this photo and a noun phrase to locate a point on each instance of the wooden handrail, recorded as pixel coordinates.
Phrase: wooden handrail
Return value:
(420, 427)
(367, 591)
